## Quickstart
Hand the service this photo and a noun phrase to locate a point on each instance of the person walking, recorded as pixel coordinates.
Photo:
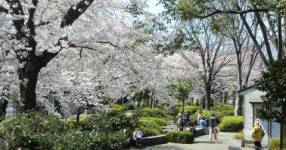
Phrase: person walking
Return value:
(213, 127)
(257, 135)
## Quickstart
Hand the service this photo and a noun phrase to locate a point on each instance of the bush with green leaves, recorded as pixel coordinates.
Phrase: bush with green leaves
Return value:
(35, 130)
(205, 113)
(221, 110)
(73, 123)
(149, 128)
(30, 130)
(239, 135)
(231, 124)
(111, 122)
(119, 107)
(158, 121)
(153, 112)
(91, 140)
(190, 109)
(274, 144)
(180, 137)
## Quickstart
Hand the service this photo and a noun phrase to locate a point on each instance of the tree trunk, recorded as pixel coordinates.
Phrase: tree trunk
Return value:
(238, 105)
(28, 76)
(224, 100)
(78, 117)
(3, 106)
(207, 98)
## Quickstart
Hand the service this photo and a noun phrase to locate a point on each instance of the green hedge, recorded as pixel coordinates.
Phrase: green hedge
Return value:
(180, 137)
(231, 124)
(239, 135)
(154, 112)
(158, 121)
(72, 122)
(221, 110)
(118, 107)
(274, 144)
(190, 109)
(204, 113)
(35, 130)
(149, 127)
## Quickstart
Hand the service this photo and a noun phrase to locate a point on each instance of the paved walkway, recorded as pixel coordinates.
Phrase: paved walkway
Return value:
(225, 142)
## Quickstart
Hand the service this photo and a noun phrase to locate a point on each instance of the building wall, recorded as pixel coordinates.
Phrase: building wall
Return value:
(250, 95)
(252, 102)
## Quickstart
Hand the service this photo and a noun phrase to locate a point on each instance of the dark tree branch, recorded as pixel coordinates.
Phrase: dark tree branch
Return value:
(75, 12)
(3, 9)
(16, 7)
(280, 40)
(82, 47)
(263, 58)
(31, 26)
(241, 12)
(264, 33)
(42, 23)
(109, 43)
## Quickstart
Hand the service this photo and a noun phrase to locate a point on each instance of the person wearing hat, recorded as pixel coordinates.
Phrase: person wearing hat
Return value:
(257, 135)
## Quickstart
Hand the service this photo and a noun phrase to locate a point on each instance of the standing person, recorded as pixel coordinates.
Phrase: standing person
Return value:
(213, 127)
(257, 135)
(185, 119)
(137, 137)
(180, 122)
(199, 118)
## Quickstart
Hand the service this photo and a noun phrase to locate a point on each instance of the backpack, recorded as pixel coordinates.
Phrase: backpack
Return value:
(213, 121)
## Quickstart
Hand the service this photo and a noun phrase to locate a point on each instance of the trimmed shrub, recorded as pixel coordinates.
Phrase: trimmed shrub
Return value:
(274, 144)
(37, 131)
(180, 137)
(189, 109)
(149, 128)
(72, 123)
(221, 110)
(205, 113)
(231, 124)
(118, 107)
(30, 131)
(153, 112)
(150, 132)
(158, 121)
(239, 135)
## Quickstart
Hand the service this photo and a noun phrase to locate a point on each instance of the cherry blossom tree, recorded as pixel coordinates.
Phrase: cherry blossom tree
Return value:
(37, 31)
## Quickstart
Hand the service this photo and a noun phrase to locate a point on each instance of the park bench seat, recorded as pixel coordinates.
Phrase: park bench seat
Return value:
(153, 140)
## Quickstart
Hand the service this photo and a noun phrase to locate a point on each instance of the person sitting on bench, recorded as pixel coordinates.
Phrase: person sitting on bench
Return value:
(137, 137)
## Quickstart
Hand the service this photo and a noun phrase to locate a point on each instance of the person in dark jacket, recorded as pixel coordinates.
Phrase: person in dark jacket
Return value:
(213, 127)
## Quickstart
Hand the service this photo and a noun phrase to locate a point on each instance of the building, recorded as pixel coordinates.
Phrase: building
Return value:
(252, 103)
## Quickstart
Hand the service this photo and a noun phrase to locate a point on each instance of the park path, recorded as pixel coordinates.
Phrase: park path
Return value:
(225, 142)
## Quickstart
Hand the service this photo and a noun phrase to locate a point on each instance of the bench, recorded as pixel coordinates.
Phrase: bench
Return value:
(200, 131)
(153, 140)
(169, 128)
